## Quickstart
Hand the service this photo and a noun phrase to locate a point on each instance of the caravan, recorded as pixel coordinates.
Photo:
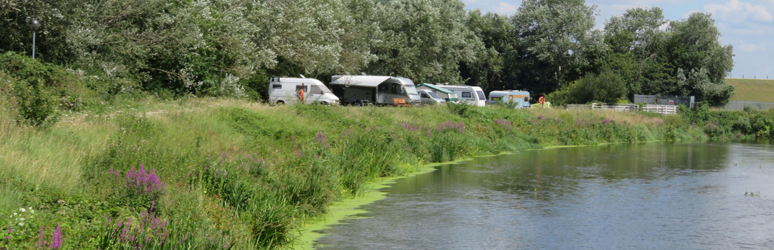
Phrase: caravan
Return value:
(472, 95)
(380, 90)
(284, 90)
(516, 98)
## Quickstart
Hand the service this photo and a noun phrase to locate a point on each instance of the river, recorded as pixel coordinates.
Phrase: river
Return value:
(643, 196)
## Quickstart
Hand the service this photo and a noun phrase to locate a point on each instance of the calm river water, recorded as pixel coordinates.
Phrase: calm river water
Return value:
(647, 196)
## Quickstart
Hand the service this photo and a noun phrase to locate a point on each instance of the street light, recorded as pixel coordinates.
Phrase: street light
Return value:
(34, 24)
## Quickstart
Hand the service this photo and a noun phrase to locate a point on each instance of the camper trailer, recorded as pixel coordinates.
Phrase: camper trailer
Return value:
(287, 90)
(379, 90)
(472, 95)
(447, 95)
(516, 98)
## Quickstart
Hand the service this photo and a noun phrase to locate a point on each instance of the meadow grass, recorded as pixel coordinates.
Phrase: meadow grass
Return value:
(752, 89)
(241, 175)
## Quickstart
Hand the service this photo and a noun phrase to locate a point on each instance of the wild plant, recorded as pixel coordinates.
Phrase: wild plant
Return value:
(56, 239)
(150, 232)
(140, 187)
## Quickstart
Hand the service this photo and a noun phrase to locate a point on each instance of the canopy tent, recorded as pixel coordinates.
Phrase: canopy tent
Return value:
(359, 81)
(436, 88)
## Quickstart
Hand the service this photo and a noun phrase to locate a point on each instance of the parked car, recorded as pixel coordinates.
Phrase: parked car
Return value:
(447, 95)
(429, 97)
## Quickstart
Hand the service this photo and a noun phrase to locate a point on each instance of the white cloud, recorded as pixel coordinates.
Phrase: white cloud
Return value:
(736, 10)
(750, 47)
(506, 8)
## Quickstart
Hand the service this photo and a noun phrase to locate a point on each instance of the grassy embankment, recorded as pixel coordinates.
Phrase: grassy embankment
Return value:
(752, 89)
(244, 175)
(113, 173)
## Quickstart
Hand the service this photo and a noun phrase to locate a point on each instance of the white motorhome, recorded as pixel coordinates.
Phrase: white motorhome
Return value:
(286, 90)
(380, 90)
(472, 95)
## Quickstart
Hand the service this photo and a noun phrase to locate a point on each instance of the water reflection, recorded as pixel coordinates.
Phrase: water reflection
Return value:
(651, 196)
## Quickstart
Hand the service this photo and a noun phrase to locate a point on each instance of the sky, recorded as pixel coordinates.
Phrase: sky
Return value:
(748, 25)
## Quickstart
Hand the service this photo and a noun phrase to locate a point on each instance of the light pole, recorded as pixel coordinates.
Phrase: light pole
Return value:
(34, 24)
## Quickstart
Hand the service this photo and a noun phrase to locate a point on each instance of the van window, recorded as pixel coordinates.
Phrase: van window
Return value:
(314, 89)
(466, 95)
(481, 95)
(300, 87)
(526, 99)
(424, 95)
(397, 89)
(496, 99)
(276, 86)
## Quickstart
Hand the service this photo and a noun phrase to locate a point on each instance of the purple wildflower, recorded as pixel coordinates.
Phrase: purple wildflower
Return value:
(10, 229)
(540, 117)
(460, 127)
(299, 153)
(41, 243)
(109, 219)
(181, 241)
(322, 139)
(144, 181)
(428, 131)
(56, 239)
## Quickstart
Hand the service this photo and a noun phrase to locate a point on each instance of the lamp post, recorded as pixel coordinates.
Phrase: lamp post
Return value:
(34, 24)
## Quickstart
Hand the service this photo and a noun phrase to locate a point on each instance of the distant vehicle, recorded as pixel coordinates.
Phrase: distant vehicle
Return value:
(472, 95)
(380, 90)
(286, 90)
(517, 98)
(447, 95)
(429, 97)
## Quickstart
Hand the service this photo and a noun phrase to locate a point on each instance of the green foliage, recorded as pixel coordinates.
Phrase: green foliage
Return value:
(607, 87)
(36, 106)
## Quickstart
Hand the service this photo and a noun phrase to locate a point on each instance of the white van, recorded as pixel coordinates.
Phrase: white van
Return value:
(285, 90)
(472, 95)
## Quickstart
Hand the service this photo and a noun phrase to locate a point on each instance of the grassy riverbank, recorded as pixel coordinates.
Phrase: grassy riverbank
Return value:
(223, 173)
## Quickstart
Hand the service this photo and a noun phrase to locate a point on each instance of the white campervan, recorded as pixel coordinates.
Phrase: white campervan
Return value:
(472, 95)
(284, 90)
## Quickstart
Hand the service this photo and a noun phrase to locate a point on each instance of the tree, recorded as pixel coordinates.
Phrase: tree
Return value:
(422, 40)
(488, 69)
(553, 38)
(636, 41)
(694, 46)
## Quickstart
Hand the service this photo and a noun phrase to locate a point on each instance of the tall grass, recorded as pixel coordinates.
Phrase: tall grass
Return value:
(241, 175)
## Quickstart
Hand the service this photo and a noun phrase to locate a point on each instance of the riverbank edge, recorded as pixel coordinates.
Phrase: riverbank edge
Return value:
(348, 208)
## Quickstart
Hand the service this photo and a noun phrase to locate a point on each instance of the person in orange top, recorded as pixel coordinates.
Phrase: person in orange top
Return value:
(301, 94)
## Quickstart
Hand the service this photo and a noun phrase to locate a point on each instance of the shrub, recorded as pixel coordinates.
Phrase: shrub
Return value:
(36, 106)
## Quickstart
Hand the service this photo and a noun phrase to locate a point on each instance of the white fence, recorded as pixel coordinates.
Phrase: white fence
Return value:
(661, 109)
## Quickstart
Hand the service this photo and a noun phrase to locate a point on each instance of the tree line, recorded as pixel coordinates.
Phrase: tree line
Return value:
(231, 47)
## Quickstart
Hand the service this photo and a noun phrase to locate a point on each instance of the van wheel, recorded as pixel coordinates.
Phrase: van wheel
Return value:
(324, 103)
(280, 102)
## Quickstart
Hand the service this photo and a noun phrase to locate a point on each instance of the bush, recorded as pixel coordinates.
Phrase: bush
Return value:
(36, 106)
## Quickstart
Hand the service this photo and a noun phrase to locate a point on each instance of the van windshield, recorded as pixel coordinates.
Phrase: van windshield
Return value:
(433, 95)
(481, 95)
(411, 89)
